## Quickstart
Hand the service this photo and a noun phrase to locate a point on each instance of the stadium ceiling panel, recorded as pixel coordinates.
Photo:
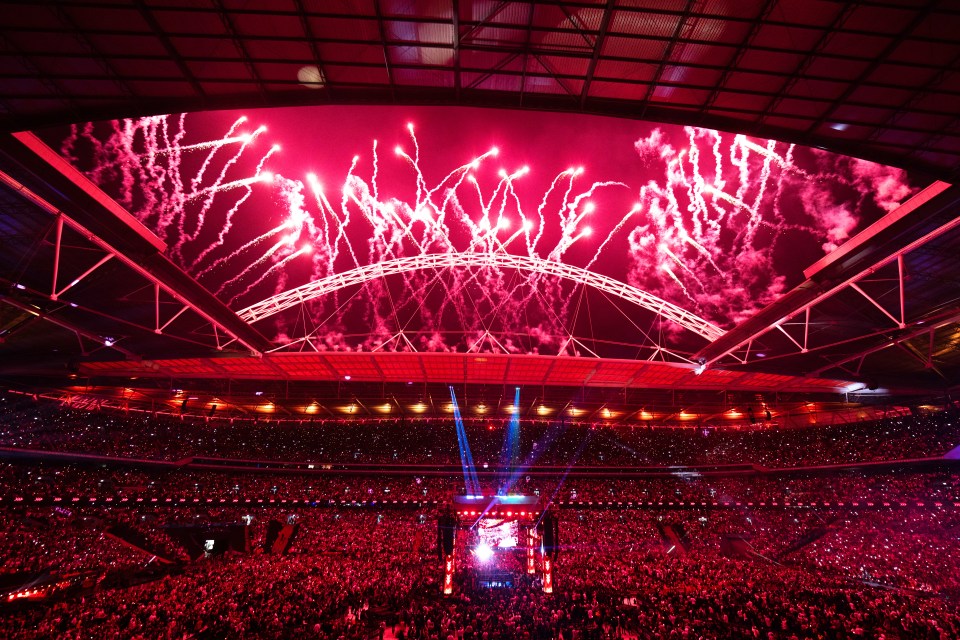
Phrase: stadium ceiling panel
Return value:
(873, 80)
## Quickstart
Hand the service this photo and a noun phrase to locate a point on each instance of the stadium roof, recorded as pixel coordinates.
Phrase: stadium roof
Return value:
(877, 80)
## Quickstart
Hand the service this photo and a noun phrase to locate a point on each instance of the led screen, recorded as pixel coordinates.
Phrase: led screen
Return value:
(498, 534)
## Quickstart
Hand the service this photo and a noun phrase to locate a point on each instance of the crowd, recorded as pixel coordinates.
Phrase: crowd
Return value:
(678, 554)
(100, 481)
(356, 573)
(904, 550)
(34, 541)
(29, 424)
(64, 539)
(339, 562)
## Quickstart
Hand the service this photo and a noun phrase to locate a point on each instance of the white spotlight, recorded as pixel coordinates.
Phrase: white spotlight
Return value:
(483, 552)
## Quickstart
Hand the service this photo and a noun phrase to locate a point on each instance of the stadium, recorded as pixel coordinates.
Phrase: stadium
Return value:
(479, 320)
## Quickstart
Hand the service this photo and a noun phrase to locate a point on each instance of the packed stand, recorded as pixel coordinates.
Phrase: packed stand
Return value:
(351, 573)
(29, 424)
(29, 481)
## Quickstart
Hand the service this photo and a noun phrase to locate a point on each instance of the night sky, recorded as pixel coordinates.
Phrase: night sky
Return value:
(715, 223)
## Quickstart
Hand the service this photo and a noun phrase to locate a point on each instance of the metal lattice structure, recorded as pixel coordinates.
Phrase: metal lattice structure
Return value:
(358, 276)
(83, 247)
(882, 282)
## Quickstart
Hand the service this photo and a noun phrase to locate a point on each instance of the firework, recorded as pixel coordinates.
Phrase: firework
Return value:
(699, 224)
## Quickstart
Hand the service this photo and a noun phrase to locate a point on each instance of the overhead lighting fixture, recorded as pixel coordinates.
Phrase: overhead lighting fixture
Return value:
(310, 76)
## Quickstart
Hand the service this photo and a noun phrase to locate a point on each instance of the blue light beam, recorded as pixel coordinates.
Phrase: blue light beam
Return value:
(511, 445)
(470, 479)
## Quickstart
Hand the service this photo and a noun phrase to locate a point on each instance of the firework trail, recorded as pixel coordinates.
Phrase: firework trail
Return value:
(259, 176)
(286, 241)
(713, 220)
(304, 250)
(211, 192)
(238, 252)
(215, 146)
(699, 228)
(145, 162)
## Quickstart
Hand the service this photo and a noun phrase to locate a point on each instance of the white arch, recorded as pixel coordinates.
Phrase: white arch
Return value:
(323, 286)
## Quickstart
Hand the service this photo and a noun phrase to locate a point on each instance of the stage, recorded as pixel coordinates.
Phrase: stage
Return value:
(493, 541)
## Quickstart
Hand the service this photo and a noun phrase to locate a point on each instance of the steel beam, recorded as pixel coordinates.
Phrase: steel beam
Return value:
(878, 245)
(535, 266)
(59, 189)
(64, 324)
(916, 331)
